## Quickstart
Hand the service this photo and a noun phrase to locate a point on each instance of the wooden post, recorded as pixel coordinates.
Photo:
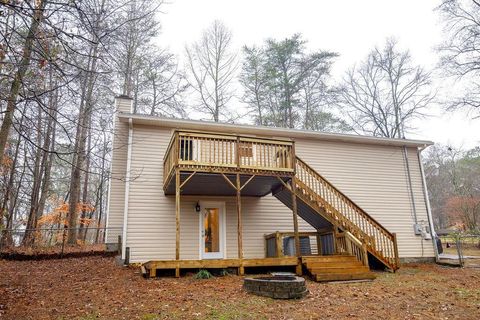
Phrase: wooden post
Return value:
(119, 246)
(395, 249)
(266, 245)
(239, 225)
(152, 273)
(365, 255)
(295, 226)
(348, 244)
(237, 151)
(335, 246)
(177, 219)
(278, 244)
(319, 244)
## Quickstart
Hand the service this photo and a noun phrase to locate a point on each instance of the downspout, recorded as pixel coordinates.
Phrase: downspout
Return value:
(127, 186)
(427, 204)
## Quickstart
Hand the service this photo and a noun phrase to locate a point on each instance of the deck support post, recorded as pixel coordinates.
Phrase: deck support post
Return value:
(335, 239)
(152, 272)
(319, 244)
(177, 220)
(241, 270)
(395, 251)
(295, 226)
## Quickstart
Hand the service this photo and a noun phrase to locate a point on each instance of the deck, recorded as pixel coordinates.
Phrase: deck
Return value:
(153, 266)
(214, 159)
(202, 163)
(340, 267)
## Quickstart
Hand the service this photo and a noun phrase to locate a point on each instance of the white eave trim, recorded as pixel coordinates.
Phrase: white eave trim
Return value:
(266, 131)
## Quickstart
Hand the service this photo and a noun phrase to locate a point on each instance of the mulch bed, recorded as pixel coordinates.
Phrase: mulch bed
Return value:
(46, 256)
(40, 253)
(95, 288)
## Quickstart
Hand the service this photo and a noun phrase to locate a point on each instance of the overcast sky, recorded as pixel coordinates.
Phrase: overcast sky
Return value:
(351, 28)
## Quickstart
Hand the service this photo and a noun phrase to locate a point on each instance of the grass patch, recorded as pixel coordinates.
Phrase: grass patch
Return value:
(203, 274)
(91, 316)
(468, 293)
(231, 311)
(150, 316)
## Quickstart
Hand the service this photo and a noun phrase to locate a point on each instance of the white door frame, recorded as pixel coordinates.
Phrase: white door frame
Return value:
(222, 225)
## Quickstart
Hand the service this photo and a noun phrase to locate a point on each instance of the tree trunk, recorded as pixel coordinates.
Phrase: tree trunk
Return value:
(49, 145)
(82, 227)
(99, 209)
(19, 75)
(82, 137)
(28, 238)
(7, 196)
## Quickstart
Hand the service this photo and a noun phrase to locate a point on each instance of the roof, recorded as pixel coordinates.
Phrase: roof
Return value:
(266, 131)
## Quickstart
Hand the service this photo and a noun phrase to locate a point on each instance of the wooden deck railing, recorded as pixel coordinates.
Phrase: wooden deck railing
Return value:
(347, 243)
(274, 242)
(211, 152)
(345, 213)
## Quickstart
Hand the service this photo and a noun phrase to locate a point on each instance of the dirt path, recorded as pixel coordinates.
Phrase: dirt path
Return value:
(94, 288)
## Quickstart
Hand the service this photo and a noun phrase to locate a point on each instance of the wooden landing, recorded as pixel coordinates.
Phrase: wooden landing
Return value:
(154, 265)
(336, 268)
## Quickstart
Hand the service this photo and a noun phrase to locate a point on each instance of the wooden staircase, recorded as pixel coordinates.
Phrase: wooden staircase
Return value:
(326, 200)
(337, 268)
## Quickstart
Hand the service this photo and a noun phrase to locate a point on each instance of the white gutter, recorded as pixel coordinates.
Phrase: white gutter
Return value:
(266, 131)
(427, 204)
(127, 187)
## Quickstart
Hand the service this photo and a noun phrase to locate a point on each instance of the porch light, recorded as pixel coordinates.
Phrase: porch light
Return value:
(197, 207)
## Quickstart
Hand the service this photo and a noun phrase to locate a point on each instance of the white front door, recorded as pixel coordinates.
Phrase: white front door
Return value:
(212, 230)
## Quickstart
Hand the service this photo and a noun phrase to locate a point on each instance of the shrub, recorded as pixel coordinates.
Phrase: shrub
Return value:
(203, 274)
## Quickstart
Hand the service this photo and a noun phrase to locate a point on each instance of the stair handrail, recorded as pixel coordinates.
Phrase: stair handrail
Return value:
(368, 225)
(363, 212)
(351, 245)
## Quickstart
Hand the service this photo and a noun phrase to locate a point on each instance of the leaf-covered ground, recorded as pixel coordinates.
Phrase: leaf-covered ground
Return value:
(95, 288)
(53, 252)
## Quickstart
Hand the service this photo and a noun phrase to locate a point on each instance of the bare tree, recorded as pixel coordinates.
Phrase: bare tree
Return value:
(29, 41)
(461, 50)
(55, 97)
(85, 110)
(454, 186)
(132, 38)
(159, 86)
(212, 67)
(386, 92)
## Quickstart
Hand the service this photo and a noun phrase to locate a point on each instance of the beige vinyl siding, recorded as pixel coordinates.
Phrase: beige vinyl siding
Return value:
(263, 216)
(117, 182)
(371, 175)
(151, 215)
(375, 178)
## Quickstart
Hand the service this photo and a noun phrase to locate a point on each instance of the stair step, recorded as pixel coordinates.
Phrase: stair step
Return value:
(335, 258)
(321, 277)
(340, 270)
(327, 264)
(332, 209)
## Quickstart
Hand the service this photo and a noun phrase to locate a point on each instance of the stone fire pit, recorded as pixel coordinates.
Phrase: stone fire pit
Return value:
(277, 287)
